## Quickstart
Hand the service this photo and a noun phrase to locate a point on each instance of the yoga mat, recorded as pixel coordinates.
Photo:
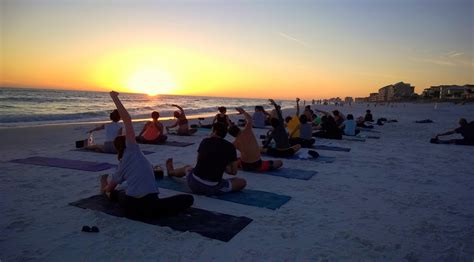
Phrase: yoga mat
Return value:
(324, 159)
(370, 130)
(288, 173)
(247, 197)
(332, 148)
(177, 143)
(353, 138)
(145, 152)
(64, 163)
(368, 137)
(210, 224)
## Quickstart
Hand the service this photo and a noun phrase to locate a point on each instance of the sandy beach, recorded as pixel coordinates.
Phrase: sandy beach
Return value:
(397, 198)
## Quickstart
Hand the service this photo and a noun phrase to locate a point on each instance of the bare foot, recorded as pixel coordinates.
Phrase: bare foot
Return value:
(103, 182)
(169, 165)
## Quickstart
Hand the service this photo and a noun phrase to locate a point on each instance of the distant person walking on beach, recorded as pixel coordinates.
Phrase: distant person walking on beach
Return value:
(279, 134)
(181, 123)
(152, 132)
(141, 194)
(215, 156)
(112, 130)
(246, 143)
(465, 129)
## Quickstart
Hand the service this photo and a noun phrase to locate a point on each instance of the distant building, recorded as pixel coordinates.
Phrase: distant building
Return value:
(373, 97)
(449, 92)
(395, 92)
(348, 100)
(361, 99)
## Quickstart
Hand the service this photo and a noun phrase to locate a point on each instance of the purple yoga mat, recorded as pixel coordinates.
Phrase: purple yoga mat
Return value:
(65, 163)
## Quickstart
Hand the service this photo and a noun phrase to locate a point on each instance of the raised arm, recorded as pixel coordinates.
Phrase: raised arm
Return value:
(180, 108)
(248, 117)
(297, 106)
(127, 120)
(277, 108)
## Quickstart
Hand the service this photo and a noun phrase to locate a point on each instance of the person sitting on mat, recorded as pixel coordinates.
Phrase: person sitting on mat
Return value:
(215, 156)
(348, 127)
(181, 123)
(279, 134)
(152, 132)
(260, 117)
(112, 130)
(368, 116)
(293, 122)
(336, 115)
(246, 143)
(141, 194)
(220, 117)
(465, 129)
(305, 131)
(328, 128)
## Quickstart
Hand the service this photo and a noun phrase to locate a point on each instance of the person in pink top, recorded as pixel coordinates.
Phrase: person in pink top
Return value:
(152, 132)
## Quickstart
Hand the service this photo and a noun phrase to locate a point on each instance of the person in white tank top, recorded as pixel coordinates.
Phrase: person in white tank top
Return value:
(112, 130)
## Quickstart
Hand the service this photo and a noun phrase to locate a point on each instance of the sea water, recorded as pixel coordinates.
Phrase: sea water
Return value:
(29, 107)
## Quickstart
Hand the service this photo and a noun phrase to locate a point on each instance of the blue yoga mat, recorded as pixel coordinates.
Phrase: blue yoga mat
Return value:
(247, 197)
(145, 152)
(64, 163)
(206, 223)
(369, 130)
(323, 159)
(177, 143)
(353, 138)
(288, 173)
(332, 148)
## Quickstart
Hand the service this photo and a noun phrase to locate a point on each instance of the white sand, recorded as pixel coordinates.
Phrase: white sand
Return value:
(396, 198)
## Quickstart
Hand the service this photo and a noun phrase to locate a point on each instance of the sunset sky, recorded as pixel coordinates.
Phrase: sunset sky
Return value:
(282, 49)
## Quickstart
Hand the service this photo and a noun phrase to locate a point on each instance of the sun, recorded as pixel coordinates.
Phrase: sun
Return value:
(151, 82)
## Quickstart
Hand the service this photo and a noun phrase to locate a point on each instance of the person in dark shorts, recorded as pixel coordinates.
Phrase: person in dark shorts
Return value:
(141, 194)
(215, 156)
(465, 129)
(278, 133)
(246, 143)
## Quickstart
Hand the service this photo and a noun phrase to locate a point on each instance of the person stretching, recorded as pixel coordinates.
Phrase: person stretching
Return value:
(215, 156)
(112, 130)
(279, 134)
(246, 143)
(152, 132)
(141, 194)
(465, 129)
(181, 123)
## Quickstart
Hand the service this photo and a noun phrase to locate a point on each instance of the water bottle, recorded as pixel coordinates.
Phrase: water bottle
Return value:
(90, 140)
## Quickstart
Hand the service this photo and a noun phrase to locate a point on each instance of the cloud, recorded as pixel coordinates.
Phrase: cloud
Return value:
(288, 37)
(454, 54)
(440, 62)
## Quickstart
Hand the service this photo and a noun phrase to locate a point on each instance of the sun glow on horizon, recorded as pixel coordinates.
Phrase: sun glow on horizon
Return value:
(151, 81)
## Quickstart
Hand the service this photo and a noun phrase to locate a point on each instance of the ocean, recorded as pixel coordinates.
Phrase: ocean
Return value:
(31, 107)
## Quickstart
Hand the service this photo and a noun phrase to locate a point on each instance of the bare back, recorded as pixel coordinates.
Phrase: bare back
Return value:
(247, 144)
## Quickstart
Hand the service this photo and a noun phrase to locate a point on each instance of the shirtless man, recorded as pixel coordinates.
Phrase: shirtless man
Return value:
(246, 143)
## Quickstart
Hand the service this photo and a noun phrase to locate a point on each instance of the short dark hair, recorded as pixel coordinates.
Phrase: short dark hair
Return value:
(234, 130)
(335, 112)
(155, 115)
(288, 119)
(120, 145)
(350, 117)
(367, 111)
(303, 119)
(115, 116)
(222, 109)
(463, 121)
(220, 129)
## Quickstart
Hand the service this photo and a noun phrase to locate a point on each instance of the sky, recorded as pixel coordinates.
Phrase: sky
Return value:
(262, 48)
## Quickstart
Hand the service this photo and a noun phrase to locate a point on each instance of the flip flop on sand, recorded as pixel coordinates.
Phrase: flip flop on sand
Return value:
(92, 229)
